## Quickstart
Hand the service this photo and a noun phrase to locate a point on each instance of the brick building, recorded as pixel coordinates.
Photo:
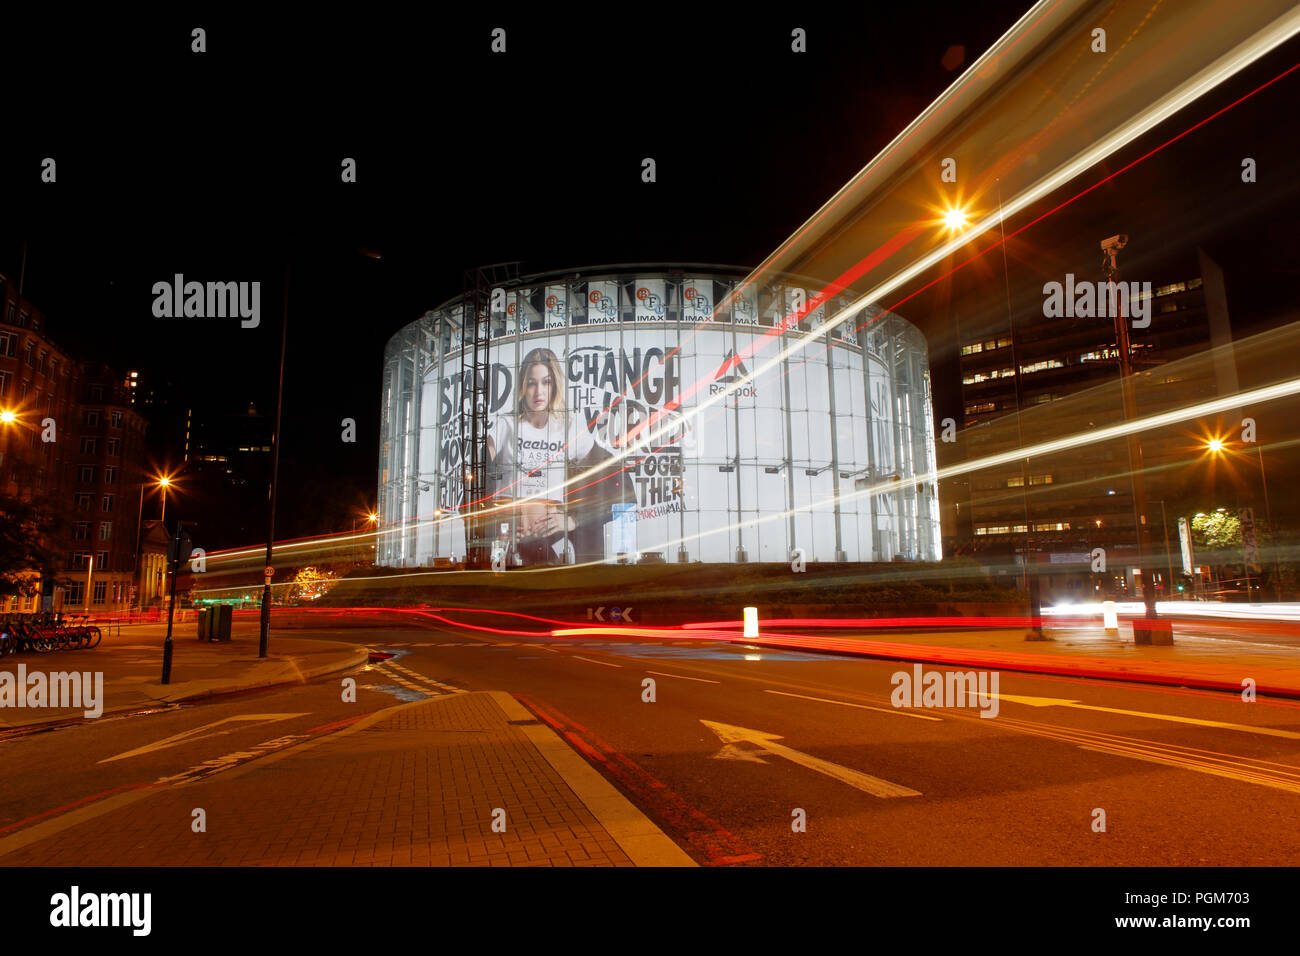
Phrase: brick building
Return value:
(71, 442)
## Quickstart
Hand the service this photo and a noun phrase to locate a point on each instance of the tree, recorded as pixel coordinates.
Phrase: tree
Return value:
(1217, 531)
(26, 530)
(310, 583)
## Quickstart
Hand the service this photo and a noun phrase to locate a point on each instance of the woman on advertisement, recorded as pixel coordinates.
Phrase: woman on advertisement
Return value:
(530, 448)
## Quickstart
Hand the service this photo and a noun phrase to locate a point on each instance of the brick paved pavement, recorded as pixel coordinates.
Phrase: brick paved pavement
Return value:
(418, 787)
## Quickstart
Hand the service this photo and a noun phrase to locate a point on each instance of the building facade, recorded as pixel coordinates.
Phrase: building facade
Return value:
(1046, 377)
(105, 476)
(71, 443)
(661, 413)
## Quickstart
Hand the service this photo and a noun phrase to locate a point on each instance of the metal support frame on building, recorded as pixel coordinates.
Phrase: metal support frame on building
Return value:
(476, 387)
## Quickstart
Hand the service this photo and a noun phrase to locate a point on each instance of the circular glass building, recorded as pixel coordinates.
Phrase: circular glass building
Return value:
(657, 413)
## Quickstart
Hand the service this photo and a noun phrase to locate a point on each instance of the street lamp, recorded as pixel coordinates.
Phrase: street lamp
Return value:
(955, 219)
(1217, 446)
(370, 517)
(164, 483)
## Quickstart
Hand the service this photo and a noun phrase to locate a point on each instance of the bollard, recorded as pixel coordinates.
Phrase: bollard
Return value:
(751, 622)
(1109, 618)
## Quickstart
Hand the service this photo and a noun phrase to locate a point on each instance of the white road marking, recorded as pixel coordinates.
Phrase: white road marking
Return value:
(845, 703)
(198, 733)
(684, 677)
(1175, 718)
(732, 735)
(218, 764)
(579, 657)
(417, 676)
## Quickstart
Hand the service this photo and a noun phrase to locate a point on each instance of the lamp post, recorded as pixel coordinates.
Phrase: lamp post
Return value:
(265, 638)
(1110, 268)
(1169, 559)
(1272, 532)
(163, 482)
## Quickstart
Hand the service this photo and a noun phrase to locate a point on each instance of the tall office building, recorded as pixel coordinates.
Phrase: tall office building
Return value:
(1046, 377)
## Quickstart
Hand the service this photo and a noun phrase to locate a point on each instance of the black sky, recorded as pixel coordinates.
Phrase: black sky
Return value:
(226, 166)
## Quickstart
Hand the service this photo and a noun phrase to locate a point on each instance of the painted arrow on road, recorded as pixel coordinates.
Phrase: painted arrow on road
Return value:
(1197, 721)
(199, 733)
(615, 614)
(731, 736)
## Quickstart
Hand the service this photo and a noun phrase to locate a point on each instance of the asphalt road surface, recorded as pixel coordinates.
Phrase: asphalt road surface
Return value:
(783, 758)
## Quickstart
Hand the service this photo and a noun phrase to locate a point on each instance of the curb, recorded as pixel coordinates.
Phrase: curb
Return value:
(1023, 663)
(357, 657)
(637, 836)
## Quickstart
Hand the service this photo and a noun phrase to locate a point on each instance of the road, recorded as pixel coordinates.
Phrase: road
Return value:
(740, 745)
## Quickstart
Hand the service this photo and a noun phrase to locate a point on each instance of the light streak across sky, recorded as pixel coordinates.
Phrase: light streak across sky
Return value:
(1012, 48)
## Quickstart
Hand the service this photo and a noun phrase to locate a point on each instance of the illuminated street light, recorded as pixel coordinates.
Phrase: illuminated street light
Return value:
(164, 483)
(955, 219)
(8, 417)
(1214, 446)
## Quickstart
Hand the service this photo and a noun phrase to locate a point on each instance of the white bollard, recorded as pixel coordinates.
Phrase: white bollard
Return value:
(1109, 618)
(751, 622)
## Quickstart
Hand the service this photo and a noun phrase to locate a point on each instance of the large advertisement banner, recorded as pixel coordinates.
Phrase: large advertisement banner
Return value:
(703, 428)
(558, 415)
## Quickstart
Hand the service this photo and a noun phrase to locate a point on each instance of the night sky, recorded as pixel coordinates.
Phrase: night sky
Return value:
(225, 166)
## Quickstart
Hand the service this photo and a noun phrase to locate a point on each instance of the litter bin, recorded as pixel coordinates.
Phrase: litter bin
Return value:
(204, 616)
(219, 620)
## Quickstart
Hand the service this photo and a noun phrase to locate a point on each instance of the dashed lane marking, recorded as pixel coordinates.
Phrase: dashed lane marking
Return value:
(845, 703)
(699, 680)
(416, 675)
(579, 657)
(408, 684)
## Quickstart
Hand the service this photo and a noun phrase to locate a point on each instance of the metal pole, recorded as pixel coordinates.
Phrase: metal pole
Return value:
(171, 609)
(1169, 555)
(139, 530)
(1030, 553)
(1272, 533)
(265, 638)
(835, 446)
(1111, 270)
